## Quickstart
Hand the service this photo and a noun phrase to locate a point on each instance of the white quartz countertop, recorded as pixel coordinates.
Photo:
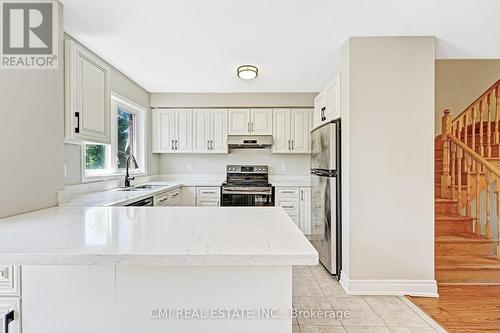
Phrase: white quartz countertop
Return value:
(154, 236)
(119, 196)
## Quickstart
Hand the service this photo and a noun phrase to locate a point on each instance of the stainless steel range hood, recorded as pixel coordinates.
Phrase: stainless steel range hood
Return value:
(249, 142)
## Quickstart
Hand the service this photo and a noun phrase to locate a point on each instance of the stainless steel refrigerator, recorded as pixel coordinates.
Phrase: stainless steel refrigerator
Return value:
(325, 198)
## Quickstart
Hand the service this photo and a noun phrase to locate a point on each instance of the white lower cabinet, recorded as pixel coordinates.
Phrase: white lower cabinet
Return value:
(208, 196)
(296, 201)
(188, 196)
(10, 299)
(169, 198)
(10, 315)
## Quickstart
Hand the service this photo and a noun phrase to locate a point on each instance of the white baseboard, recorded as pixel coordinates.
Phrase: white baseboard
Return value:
(424, 288)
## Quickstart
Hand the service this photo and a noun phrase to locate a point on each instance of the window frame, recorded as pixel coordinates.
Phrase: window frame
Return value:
(112, 171)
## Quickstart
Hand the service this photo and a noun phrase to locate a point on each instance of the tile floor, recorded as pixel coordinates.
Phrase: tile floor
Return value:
(315, 289)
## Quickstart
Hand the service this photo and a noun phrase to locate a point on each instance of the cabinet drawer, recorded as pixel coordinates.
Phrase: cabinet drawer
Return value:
(10, 311)
(291, 206)
(208, 192)
(207, 202)
(174, 195)
(161, 199)
(287, 192)
(9, 281)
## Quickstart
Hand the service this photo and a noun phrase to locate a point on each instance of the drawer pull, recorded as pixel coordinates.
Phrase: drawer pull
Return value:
(288, 191)
(287, 206)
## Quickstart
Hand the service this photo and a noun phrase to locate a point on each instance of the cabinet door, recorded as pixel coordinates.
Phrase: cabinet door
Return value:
(239, 121)
(333, 100)
(281, 131)
(88, 96)
(10, 314)
(261, 122)
(305, 210)
(163, 131)
(319, 109)
(201, 131)
(188, 196)
(300, 130)
(184, 131)
(218, 124)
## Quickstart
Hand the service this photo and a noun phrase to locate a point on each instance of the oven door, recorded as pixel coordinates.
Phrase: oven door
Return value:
(247, 197)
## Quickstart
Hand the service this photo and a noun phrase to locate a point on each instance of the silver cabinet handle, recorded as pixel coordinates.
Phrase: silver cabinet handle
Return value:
(302, 195)
(293, 145)
(211, 144)
(249, 127)
(288, 191)
(173, 145)
(176, 145)
(289, 145)
(208, 144)
(287, 206)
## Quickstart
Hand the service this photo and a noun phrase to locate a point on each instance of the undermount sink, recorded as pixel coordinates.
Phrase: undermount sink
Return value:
(139, 188)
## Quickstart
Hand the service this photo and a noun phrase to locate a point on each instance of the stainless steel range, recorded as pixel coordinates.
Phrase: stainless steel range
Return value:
(247, 185)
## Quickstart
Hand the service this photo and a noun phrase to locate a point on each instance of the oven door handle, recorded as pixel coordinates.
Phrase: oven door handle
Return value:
(240, 191)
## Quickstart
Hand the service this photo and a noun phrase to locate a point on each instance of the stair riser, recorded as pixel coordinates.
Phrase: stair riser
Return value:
(468, 276)
(446, 208)
(453, 228)
(482, 249)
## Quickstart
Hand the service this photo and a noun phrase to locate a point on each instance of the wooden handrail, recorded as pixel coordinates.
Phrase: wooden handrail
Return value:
(486, 93)
(493, 169)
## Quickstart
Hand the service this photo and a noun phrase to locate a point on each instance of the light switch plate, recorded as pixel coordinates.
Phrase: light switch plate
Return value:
(189, 166)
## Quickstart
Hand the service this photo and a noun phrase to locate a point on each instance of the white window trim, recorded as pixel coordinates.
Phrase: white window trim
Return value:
(111, 172)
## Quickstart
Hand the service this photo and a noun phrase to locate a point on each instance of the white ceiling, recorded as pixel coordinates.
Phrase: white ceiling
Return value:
(196, 45)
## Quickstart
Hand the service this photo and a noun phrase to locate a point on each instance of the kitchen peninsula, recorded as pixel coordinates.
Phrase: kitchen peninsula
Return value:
(137, 269)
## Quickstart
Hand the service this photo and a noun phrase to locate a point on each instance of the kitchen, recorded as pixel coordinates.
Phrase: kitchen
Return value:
(136, 183)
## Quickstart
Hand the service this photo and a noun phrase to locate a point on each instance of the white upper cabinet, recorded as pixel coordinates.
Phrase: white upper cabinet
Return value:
(87, 96)
(172, 131)
(210, 131)
(261, 121)
(281, 135)
(327, 103)
(291, 130)
(250, 122)
(239, 121)
(218, 139)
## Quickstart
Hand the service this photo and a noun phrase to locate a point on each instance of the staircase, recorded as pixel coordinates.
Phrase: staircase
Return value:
(467, 187)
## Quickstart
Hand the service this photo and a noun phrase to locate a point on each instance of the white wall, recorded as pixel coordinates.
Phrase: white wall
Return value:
(31, 137)
(125, 87)
(461, 82)
(388, 124)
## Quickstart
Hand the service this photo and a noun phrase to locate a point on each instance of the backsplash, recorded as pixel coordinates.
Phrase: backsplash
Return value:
(279, 164)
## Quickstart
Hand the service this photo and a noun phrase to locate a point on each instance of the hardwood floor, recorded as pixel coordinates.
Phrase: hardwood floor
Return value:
(464, 308)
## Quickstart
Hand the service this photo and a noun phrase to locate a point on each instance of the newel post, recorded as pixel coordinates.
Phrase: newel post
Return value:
(446, 177)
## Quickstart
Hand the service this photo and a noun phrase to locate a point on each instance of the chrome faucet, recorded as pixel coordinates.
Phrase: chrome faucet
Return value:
(134, 166)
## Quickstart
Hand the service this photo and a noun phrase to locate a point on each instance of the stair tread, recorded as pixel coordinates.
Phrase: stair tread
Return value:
(462, 238)
(445, 200)
(467, 262)
(450, 217)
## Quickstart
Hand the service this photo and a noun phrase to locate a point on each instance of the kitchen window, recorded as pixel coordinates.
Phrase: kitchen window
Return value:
(128, 137)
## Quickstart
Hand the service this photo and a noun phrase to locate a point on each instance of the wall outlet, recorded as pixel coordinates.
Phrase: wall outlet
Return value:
(189, 166)
(283, 167)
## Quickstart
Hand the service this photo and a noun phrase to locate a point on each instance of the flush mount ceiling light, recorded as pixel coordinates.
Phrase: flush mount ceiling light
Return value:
(247, 72)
